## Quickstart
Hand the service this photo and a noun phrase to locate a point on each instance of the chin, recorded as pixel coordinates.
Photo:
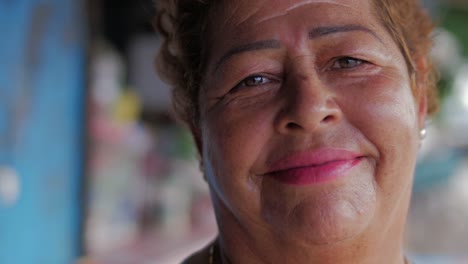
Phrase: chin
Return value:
(331, 223)
(331, 216)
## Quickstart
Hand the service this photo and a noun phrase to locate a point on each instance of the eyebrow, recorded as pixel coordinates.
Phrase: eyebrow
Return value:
(314, 33)
(324, 31)
(259, 45)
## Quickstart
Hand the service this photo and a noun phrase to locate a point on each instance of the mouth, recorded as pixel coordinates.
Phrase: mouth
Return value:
(314, 167)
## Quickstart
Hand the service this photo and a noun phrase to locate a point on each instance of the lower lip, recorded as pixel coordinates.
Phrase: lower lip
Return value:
(316, 174)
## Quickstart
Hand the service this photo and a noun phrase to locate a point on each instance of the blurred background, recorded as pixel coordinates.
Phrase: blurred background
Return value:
(94, 169)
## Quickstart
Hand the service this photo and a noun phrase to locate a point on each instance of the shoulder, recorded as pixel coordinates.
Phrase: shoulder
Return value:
(200, 257)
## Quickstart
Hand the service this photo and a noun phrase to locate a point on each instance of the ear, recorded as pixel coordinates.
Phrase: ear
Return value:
(421, 82)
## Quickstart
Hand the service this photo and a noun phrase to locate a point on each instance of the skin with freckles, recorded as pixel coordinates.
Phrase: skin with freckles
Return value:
(293, 88)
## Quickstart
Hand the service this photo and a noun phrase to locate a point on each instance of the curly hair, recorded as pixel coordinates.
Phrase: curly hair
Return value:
(183, 25)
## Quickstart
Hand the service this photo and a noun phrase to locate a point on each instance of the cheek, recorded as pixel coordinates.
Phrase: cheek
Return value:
(387, 117)
(390, 119)
(236, 136)
(233, 141)
(384, 110)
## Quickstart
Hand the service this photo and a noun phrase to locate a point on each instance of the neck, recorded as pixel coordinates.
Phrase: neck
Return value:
(230, 253)
(255, 244)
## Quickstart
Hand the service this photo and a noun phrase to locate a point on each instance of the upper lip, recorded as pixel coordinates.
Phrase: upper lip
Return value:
(312, 158)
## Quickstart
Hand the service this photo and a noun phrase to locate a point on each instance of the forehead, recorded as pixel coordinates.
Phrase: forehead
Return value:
(244, 11)
(237, 19)
(236, 22)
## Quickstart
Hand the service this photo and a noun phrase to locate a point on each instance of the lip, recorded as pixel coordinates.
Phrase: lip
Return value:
(314, 167)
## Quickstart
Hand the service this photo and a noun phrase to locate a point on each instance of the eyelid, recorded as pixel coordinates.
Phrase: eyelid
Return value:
(252, 77)
(268, 77)
(338, 59)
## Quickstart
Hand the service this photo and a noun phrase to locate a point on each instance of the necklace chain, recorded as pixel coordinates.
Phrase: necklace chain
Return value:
(210, 260)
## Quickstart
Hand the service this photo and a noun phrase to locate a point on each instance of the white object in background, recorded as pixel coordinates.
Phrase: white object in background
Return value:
(447, 52)
(461, 85)
(455, 110)
(9, 187)
(107, 75)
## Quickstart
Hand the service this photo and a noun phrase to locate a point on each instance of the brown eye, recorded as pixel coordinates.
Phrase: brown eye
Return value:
(346, 63)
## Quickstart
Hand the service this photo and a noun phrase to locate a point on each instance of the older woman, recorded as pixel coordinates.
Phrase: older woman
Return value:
(308, 116)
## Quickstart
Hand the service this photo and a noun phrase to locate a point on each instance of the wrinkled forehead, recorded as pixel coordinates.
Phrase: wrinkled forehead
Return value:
(237, 15)
(242, 20)
(268, 9)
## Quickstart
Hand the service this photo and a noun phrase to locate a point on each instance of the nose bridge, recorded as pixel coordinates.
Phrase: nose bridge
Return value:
(308, 93)
(309, 102)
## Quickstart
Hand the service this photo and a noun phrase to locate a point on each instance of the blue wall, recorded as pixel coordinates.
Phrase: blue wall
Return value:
(42, 80)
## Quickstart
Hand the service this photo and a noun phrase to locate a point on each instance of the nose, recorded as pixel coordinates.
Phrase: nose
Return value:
(308, 104)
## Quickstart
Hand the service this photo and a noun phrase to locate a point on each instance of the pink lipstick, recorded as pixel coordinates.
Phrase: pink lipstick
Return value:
(314, 167)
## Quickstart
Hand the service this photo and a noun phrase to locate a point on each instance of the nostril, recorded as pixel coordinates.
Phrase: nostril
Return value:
(292, 125)
(328, 118)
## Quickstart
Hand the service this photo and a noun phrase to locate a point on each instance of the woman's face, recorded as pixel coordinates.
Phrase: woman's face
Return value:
(309, 127)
